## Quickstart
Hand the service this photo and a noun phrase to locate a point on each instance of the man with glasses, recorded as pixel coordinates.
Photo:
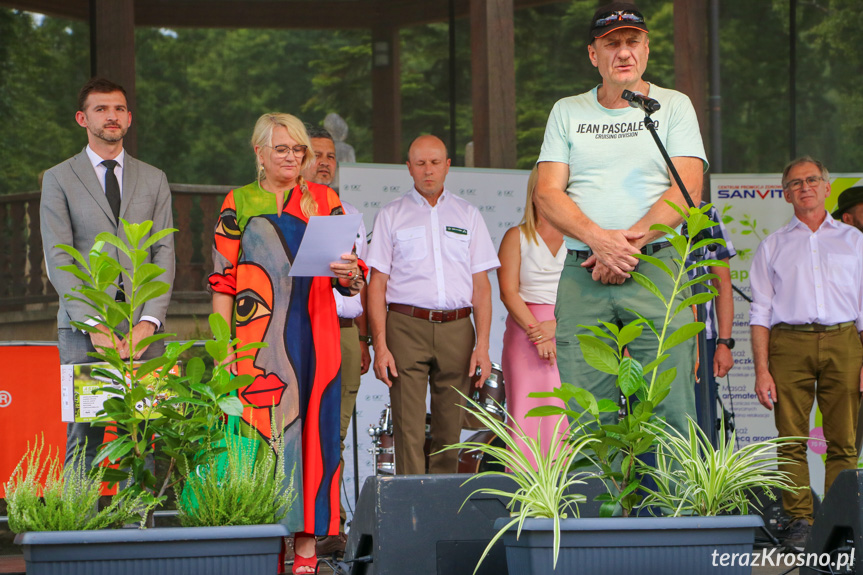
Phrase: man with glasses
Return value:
(603, 183)
(806, 320)
(355, 338)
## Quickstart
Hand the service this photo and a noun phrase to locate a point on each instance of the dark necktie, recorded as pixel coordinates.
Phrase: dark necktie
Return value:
(112, 187)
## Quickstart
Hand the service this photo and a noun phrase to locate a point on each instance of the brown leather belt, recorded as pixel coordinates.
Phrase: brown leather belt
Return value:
(432, 315)
(346, 322)
(818, 327)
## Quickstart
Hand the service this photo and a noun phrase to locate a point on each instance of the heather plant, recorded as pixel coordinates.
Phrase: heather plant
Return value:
(242, 485)
(70, 497)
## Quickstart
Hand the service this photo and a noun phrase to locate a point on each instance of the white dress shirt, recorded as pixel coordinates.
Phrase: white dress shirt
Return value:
(431, 252)
(351, 307)
(799, 276)
(101, 170)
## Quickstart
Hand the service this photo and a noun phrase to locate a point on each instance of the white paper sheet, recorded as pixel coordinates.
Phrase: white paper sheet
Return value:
(325, 240)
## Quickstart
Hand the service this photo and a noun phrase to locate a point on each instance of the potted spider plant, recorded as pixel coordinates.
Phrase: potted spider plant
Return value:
(232, 491)
(694, 483)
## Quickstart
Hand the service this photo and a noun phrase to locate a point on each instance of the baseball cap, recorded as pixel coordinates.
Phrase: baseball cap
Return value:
(613, 17)
(847, 200)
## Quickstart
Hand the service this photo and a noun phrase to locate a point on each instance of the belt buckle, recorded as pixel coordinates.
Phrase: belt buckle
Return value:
(431, 315)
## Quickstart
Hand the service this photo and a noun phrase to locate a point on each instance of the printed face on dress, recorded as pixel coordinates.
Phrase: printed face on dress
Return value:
(261, 312)
(105, 116)
(280, 168)
(806, 189)
(620, 56)
(428, 165)
(323, 170)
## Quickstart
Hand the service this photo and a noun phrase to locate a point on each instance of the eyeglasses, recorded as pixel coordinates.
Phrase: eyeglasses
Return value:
(604, 20)
(284, 149)
(795, 185)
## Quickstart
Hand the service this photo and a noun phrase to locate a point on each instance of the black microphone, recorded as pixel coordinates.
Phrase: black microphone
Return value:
(639, 100)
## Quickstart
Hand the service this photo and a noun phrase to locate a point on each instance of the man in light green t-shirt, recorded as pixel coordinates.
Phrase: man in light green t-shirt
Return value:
(603, 182)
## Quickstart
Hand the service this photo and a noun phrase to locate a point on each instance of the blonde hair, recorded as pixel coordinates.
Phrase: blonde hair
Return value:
(262, 135)
(531, 216)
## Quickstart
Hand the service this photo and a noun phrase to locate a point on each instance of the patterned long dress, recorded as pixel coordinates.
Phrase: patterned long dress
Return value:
(297, 382)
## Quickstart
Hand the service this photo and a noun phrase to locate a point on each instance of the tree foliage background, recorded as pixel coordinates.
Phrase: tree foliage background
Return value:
(200, 90)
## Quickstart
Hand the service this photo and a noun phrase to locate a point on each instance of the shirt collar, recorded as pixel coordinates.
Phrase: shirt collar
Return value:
(828, 221)
(420, 199)
(95, 159)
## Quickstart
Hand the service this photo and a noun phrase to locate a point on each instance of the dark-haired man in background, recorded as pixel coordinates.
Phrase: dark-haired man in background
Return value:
(603, 183)
(355, 338)
(84, 196)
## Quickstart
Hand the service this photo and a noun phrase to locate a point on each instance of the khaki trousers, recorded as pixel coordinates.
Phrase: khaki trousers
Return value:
(350, 339)
(436, 355)
(798, 360)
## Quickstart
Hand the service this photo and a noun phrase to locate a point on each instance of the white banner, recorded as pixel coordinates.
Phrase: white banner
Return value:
(498, 194)
(752, 207)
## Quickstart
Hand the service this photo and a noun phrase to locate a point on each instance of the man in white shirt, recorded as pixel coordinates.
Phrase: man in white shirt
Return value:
(430, 256)
(806, 320)
(89, 194)
(355, 340)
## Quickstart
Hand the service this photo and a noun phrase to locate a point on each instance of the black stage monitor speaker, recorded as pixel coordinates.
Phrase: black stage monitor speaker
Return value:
(838, 527)
(412, 524)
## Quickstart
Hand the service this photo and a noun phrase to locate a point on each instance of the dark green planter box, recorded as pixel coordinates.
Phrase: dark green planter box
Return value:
(250, 550)
(625, 545)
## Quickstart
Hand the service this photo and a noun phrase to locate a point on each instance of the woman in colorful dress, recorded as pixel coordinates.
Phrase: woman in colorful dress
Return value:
(531, 259)
(297, 386)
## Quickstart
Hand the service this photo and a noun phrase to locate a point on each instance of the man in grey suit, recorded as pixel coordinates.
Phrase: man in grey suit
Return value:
(89, 194)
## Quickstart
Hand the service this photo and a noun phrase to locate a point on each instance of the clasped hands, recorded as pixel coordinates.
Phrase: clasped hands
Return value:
(101, 338)
(612, 257)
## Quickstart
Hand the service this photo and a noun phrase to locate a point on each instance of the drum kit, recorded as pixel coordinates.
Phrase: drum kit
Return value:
(491, 397)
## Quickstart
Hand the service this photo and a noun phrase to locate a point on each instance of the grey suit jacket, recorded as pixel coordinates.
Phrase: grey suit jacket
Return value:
(74, 210)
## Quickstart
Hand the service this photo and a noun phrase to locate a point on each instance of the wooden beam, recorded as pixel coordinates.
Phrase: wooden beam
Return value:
(296, 14)
(112, 51)
(493, 77)
(690, 56)
(407, 13)
(71, 9)
(386, 95)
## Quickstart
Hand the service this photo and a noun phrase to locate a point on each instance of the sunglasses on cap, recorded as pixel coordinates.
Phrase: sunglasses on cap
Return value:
(608, 18)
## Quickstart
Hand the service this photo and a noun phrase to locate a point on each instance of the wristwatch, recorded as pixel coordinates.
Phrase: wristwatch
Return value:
(366, 339)
(729, 343)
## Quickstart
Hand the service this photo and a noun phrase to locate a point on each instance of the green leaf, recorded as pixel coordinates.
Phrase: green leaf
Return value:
(696, 299)
(109, 238)
(702, 279)
(629, 333)
(606, 405)
(629, 376)
(231, 406)
(679, 242)
(656, 262)
(706, 242)
(682, 334)
(150, 291)
(645, 282)
(158, 236)
(545, 411)
(148, 272)
(663, 228)
(655, 363)
(706, 263)
(598, 355)
(220, 328)
(195, 369)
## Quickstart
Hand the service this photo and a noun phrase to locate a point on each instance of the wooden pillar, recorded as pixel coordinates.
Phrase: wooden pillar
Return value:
(386, 95)
(492, 40)
(690, 56)
(112, 51)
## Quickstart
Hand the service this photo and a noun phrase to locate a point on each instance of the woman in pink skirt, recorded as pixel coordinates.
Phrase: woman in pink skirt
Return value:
(531, 259)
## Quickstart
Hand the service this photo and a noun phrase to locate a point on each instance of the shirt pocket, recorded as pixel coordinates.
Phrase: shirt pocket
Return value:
(411, 243)
(457, 246)
(842, 269)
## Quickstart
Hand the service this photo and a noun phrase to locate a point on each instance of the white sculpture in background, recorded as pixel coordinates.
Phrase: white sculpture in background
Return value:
(338, 129)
